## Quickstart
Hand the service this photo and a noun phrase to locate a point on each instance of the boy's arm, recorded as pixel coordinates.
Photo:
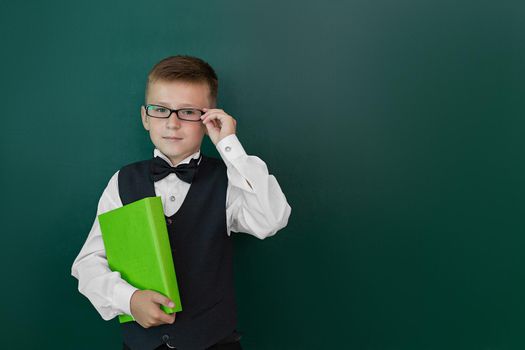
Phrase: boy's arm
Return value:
(255, 203)
(105, 289)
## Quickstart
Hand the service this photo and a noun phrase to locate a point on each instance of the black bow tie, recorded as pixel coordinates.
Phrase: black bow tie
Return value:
(186, 172)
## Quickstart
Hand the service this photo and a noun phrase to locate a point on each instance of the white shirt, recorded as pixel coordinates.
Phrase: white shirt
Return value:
(255, 204)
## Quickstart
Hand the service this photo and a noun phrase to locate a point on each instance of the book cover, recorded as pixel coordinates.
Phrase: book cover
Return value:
(137, 245)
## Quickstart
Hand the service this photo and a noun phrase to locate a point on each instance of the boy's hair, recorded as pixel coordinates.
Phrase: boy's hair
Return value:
(187, 69)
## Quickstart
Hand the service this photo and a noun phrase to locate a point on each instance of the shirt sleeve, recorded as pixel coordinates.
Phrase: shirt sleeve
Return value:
(105, 289)
(255, 203)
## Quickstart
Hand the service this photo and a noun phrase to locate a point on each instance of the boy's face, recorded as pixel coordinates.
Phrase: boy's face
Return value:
(177, 139)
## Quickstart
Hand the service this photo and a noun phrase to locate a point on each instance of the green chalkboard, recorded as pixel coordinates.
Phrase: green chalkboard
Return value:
(395, 129)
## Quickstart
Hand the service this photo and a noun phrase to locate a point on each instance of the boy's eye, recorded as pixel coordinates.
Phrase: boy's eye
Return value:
(188, 111)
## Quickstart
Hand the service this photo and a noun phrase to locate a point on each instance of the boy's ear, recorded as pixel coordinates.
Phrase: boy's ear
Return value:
(144, 117)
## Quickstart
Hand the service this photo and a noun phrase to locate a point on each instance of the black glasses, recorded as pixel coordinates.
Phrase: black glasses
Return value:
(188, 114)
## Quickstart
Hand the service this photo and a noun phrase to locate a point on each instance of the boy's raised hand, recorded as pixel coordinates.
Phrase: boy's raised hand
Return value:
(145, 308)
(218, 124)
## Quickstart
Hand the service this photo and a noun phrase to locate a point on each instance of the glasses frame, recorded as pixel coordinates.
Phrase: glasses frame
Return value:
(171, 112)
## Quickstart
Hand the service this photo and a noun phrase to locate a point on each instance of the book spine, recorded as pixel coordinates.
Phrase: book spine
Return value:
(162, 247)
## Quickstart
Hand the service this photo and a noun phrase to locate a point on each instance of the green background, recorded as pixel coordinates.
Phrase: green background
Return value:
(395, 129)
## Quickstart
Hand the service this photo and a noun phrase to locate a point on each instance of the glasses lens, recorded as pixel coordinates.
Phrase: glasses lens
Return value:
(158, 111)
(190, 114)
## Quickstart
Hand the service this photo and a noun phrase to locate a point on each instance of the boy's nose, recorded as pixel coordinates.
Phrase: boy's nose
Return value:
(173, 122)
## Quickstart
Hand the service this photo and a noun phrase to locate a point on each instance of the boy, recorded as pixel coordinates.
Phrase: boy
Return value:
(204, 200)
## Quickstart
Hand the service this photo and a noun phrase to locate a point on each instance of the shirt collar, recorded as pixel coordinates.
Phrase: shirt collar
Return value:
(157, 153)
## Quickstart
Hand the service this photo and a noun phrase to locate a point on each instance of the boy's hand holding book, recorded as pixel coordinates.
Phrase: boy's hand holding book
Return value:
(145, 308)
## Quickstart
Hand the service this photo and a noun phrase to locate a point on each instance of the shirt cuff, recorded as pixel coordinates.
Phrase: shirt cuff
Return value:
(122, 296)
(230, 148)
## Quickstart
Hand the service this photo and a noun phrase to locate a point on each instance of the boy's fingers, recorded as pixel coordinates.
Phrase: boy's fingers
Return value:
(213, 118)
(166, 318)
(213, 115)
(161, 299)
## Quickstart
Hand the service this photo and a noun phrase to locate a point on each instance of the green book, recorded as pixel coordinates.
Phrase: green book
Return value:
(137, 245)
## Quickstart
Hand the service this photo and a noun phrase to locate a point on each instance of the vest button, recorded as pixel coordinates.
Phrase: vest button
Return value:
(166, 340)
(169, 221)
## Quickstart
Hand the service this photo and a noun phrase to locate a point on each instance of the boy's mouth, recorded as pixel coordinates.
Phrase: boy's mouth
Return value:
(172, 138)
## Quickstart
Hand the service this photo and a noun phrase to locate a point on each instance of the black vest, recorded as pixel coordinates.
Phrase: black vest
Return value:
(203, 258)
